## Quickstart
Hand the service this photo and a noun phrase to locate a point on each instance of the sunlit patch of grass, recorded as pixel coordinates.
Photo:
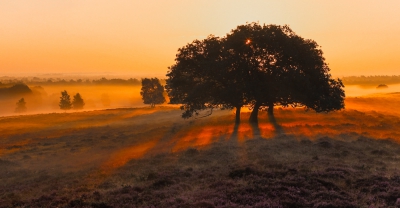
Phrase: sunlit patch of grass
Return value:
(383, 103)
(36, 123)
(207, 131)
(17, 132)
(122, 156)
(9, 148)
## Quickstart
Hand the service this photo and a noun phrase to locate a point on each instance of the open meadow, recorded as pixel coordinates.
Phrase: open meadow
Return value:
(151, 157)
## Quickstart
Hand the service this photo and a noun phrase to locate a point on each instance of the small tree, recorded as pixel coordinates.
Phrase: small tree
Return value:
(152, 92)
(77, 102)
(65, 101)
(21, 106)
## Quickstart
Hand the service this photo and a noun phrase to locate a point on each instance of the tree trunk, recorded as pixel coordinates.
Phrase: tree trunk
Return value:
(237, 118)
(271, 109)
(254, 114)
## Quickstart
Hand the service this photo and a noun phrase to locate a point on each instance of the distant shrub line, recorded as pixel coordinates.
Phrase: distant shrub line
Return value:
(347, 80)
(58, 81)
(371, 80)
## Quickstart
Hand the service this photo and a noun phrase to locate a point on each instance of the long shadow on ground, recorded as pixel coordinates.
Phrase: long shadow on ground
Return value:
(336, 166)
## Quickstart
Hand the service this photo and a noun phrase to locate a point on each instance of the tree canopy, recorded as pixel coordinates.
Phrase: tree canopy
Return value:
(65, 101)
(15, 91)
(77, 102)
(152, 91)
(21, 106)
(255, 65)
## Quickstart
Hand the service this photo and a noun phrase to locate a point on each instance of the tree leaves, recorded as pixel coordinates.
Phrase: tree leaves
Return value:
(255, 65)
(65, 101)
(152, 92)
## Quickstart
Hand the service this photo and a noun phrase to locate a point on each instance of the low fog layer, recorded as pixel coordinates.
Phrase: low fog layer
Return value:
(45, 99)
(43, 95)
(368, 90)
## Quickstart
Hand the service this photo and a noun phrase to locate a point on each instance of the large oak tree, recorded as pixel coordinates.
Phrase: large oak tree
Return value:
(256, 65)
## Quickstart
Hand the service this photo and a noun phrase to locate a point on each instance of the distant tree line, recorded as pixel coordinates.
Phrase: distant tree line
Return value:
(8, 82)
(58, 81)
(18, 89)
(371, 80)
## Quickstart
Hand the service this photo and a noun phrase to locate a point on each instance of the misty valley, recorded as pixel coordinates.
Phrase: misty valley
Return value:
(44, 96)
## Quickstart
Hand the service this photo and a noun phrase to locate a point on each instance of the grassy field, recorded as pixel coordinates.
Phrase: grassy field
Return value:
(144, 157)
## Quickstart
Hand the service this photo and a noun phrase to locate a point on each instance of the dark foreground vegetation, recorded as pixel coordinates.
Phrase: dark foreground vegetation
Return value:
(151, 157)
(323, 173)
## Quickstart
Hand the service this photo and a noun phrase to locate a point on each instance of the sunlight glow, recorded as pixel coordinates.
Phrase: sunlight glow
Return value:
(107, 37)
(121, 157)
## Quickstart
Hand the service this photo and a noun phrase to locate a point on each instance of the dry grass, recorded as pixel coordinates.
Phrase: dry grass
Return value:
(152, 158)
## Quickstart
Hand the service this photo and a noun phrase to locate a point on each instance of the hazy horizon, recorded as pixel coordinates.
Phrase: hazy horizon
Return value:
(134, 75)
(111, 75)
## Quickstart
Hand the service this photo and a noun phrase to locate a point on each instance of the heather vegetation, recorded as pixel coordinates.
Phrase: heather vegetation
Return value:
(150, 157)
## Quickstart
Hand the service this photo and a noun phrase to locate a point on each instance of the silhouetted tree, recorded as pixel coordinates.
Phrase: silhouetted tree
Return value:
(281, 68)
(152, 91)
(77, 102)
(21, 106)
(192, 80)
(256, 65)
(65, 101)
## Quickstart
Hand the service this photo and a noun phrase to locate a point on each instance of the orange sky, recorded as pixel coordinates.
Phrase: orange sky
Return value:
(139, 38)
